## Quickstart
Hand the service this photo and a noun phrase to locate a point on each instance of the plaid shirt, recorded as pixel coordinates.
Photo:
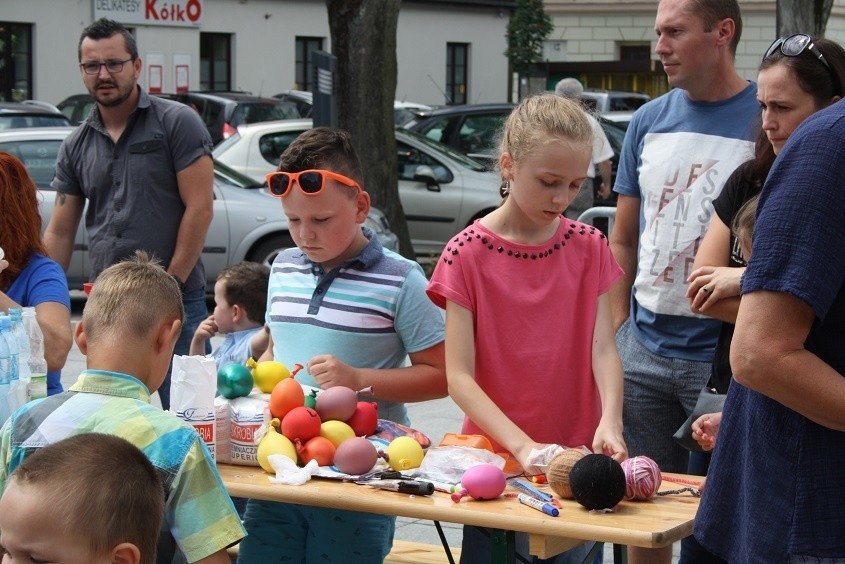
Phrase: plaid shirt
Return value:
(198, 511)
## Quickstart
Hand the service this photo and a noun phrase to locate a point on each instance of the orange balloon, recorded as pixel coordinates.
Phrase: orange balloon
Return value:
(286, 395)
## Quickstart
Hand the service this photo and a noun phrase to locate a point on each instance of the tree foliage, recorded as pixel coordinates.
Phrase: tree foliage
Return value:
(529, 26)
(363, 36)
(803, 16)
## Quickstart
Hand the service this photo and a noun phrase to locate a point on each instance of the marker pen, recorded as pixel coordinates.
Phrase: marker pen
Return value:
(546, 508)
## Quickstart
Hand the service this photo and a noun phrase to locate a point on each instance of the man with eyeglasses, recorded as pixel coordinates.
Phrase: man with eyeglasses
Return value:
(679, 151)
(144, 165)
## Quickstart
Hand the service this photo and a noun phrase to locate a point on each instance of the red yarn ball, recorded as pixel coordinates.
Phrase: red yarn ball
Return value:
(642, 478)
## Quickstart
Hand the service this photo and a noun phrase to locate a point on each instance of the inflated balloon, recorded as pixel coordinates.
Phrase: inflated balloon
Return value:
(364, 420)
(597, 481)
(274, 442)
(355, 456)
(482, 481)
(301, 423)
(337, 402)
(286, 395)
(234, 380)
(404, 453)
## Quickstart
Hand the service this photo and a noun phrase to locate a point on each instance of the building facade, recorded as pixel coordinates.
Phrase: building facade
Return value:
(447, 52)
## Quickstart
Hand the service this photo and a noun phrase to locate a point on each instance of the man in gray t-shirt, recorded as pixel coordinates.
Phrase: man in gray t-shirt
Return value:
(144, 166)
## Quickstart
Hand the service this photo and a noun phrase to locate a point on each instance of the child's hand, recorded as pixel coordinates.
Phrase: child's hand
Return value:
(608, 440)
(705, 429)
(329, 371)
(206, 329)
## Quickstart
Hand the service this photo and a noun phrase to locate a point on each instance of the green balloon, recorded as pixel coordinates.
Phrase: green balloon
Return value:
(234, 380)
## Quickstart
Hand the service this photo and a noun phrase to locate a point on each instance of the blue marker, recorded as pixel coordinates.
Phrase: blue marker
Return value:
(531, 490)
(546, 508)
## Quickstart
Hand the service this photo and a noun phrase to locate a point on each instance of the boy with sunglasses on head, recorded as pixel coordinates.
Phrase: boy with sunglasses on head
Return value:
(352, 312)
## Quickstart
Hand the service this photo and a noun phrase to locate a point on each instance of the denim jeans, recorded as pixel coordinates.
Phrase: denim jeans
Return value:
(195, 312)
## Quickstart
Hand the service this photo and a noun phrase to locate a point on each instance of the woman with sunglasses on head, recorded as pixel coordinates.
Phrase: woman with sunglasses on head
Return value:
(799, 75)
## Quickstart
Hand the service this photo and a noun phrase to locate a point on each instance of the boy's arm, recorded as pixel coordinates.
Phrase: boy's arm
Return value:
(259, 342)
(425, 379)
(268, 352)
(205, 330)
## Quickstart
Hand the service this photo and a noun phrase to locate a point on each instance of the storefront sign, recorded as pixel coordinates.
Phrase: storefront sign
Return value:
(184, 13)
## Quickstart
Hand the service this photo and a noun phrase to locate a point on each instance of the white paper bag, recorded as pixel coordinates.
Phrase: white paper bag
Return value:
(192, 390)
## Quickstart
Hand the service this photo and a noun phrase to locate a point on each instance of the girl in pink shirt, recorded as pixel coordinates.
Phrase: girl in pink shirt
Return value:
(531, 357)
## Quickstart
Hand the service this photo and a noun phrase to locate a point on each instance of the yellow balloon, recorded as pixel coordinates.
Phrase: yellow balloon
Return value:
(268, 373)
(274, 443)
(336, 431)
(404, 453)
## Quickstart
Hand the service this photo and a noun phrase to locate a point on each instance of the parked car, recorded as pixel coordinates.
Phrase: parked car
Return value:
(303, 99)
(31, 113)
(474, 129)
(223, 112)
(77, 107)
(442, 191)
(248, 222)
(614, 100)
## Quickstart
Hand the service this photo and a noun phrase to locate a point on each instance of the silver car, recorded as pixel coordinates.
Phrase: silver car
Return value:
(248, 222)
(442, 191)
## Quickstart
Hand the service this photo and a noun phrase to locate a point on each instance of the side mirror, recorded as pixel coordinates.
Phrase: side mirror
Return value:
(425, 173)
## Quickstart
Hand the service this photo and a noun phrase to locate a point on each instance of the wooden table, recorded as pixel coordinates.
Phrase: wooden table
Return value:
(655, 523)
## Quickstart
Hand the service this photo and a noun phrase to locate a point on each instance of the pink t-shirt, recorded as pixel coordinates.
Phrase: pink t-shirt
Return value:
(534, 310)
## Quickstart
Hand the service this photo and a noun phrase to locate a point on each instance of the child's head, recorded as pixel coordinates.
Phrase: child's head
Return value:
(129, 299)
(240, 296)
(326, 206)
(743, 225)
(90, 498)
(547, 141)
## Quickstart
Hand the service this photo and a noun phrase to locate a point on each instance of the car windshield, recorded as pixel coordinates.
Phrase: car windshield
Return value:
(231, 176)
(444, 150)
(260, 111)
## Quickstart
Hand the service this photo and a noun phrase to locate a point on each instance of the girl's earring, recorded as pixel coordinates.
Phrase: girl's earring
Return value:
(505, 188)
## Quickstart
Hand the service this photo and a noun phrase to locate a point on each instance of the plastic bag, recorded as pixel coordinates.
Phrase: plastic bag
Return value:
(448, 463)
(192, 390)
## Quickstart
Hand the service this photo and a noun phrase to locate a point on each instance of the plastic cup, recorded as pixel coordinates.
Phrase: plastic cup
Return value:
(88, 286)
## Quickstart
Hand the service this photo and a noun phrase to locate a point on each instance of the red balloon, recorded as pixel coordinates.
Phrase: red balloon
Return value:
(301, 423)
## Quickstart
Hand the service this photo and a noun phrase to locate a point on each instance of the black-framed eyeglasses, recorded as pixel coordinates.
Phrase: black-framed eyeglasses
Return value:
(797, 43)
(113, 67)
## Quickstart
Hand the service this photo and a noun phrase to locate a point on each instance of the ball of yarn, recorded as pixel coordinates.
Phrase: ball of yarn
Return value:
(559, 469)
(597, 481)
(642, 477)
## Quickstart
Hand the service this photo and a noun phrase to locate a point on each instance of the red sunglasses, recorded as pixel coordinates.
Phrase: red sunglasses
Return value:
(311, 182)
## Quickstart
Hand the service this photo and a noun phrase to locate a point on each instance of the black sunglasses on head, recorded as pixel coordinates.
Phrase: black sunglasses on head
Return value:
(797, 43)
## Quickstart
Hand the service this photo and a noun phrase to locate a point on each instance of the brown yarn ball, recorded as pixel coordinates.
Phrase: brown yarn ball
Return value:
(559, 468)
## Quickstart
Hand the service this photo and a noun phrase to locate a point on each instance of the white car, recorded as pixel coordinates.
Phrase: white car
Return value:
(442, 191)
(304, 99)
(248, 222)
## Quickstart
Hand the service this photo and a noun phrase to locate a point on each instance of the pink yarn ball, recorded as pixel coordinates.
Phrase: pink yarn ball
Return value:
(642, 478)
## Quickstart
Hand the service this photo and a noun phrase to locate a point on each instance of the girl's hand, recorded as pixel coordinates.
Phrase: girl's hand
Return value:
(608, 440)
(709, 284)
(329, 371)
(705, 429)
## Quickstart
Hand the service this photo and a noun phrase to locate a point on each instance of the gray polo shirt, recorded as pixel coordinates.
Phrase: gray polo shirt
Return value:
(133, 197)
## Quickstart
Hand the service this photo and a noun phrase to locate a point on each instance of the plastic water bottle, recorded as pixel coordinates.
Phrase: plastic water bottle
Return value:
(4, 381)
(23, 353)
(14, 379)
(37, 364)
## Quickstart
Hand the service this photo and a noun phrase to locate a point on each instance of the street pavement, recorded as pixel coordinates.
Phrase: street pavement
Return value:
(434, 418)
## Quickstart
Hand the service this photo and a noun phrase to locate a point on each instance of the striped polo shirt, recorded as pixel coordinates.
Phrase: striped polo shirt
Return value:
(369, 312)
(198, 510)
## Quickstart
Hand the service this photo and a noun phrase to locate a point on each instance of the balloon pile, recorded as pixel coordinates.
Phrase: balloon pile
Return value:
(597, 482)
(642, 478)
(483, 481)
(560, 468)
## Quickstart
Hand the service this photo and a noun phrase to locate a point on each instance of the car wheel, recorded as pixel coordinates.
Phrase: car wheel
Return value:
(265, 252)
